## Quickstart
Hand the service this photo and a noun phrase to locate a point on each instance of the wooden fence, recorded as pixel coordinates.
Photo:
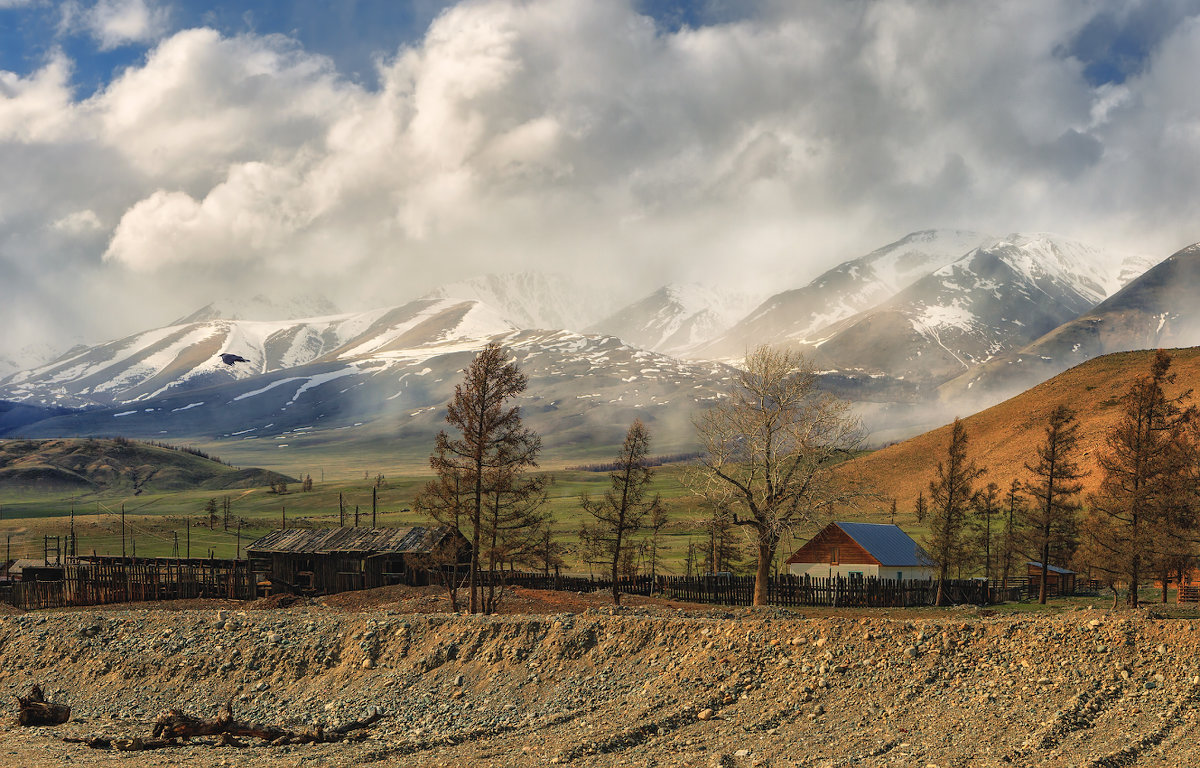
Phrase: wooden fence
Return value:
(102, 580)
(791, 590)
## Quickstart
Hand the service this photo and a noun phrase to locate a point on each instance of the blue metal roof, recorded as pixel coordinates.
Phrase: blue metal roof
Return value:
(887, 544)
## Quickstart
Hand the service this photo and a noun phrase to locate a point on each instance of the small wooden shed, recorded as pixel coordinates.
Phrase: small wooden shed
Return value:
(861, 550)
(1059, 581)
(328, 560)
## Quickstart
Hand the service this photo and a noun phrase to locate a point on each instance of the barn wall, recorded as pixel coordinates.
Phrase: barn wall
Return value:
(819, 550)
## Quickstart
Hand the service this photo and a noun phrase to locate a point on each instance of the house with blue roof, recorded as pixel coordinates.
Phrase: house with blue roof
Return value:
(862, 550)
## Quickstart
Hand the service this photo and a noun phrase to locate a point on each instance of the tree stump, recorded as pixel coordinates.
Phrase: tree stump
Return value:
(33, 709)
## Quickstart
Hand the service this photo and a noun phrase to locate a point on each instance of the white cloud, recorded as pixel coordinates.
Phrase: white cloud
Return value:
(573, 132)
(79, 222)
(120, 22)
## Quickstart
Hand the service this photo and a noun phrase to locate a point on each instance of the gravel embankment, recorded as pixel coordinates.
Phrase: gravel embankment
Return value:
(637, 688)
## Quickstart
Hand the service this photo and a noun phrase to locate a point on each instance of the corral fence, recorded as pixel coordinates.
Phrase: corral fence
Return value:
(786, 590)
(789, 590)
(103, 580)
(638, 585)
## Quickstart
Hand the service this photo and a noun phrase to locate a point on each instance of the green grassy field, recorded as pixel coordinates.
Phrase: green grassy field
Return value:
(160, 524)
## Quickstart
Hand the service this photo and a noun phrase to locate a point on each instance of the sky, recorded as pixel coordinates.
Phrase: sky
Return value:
(157, 155)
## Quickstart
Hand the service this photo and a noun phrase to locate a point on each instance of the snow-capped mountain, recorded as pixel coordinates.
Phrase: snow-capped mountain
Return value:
(677, 317)
(148, 364)
(583, 391)
(261, 307)
(991, 300)
(28, 356)
(795, 316)
(533, 299)
(1156, 310)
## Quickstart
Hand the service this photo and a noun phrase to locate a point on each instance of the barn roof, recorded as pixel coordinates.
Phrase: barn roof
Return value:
(357, 540)
(18, 565)
(887, 543)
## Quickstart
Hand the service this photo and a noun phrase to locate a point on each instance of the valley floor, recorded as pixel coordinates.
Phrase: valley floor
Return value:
(651, 685)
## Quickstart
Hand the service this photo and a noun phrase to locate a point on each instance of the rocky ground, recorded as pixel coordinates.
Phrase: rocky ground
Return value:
(651, 685)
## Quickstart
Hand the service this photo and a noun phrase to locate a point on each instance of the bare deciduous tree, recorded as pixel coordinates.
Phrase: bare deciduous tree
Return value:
(771, 446)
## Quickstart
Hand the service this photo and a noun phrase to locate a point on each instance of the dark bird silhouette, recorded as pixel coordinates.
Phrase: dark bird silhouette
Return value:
(229, 358)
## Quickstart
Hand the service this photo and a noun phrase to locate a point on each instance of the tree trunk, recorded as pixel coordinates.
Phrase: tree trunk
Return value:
(762, 575)
(941, 590)
(1044, 580)
(1135, 574)
(616, 559)
(1166, 575)
(33, 709)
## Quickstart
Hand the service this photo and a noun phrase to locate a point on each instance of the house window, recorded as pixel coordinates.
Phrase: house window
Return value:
(833, 555)
(855, 575)
(899, 575)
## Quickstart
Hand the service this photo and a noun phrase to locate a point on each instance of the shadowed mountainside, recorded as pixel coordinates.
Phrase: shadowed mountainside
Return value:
(107, 464)
(1003, 438)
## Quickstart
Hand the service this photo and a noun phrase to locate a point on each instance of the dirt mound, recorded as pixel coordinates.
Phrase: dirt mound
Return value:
(1086, 688)
(276, 602)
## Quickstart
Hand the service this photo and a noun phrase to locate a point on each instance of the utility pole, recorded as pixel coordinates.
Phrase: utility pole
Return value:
(175, 549)
(122, 530)
(355, 515)
(7, 556)
(239, 549)
(73, 552)
(283, 513)
(374, 493)
(341, 510)
(189, 537)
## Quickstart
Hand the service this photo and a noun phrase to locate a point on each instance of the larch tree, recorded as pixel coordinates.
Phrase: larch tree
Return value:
(1150, 454)
(951, 495)
(492, 442)
(1052, 517)
(987, 511)
(548, 554)
(625, 506)
(654, 554)
(445, 500)
(512, 522)
(771, 446)
(1010, 541)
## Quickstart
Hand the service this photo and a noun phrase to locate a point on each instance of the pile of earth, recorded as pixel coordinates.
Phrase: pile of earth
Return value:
(653, 686)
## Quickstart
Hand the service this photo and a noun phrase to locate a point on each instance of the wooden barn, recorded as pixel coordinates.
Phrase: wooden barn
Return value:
(327, 560)
(862, 550)
(1059, 581)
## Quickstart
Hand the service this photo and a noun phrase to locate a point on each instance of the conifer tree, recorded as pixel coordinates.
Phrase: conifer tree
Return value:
(1051, 519)
(951, 495)
(1149, 458)
(623, 508)
(492, 442)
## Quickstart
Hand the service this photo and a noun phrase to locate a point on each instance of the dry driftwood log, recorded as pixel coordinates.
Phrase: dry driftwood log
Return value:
(175, 724)
(35, 710)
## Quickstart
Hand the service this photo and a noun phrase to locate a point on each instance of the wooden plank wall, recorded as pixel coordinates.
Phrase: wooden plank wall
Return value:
(121, 580)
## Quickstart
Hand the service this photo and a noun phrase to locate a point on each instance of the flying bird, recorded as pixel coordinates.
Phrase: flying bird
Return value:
(229, 358)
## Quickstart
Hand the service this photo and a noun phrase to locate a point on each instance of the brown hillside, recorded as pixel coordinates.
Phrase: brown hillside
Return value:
(1003, 438)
